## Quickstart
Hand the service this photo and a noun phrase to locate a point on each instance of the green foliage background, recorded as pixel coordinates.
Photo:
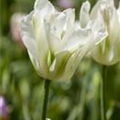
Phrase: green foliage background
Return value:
(77, 99)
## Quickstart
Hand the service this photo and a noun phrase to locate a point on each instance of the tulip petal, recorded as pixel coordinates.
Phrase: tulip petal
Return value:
(58, 23)
(69, 26)
(43, 5)
(76, 39)
(70, 14)
(113, 34)
(28, 36)
(41, 41)
(118, 12)
(111, 2)
(58, 66)
(84, 14)
(54, 30)
(54, 43)
(57, 33)
(43, 10)
(73, 63)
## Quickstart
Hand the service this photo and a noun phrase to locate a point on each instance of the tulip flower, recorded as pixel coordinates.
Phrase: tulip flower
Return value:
(108, 51)
(94, 28)
(54, 45)
(45, 33)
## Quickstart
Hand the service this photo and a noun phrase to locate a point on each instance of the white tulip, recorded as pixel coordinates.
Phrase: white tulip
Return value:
(94, 27)
(54, 44)
(108, 51)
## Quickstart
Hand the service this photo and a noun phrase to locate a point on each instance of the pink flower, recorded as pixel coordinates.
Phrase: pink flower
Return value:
(3, 109)
(65, 3)
(15, 27)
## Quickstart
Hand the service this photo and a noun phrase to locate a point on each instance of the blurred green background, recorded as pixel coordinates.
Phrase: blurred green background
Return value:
(22, 88)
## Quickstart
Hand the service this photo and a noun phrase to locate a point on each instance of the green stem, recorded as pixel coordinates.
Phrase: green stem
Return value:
(103, 106)
(46, 95)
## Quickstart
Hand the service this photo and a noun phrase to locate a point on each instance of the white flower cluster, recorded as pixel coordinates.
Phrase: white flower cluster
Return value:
(56, 43)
